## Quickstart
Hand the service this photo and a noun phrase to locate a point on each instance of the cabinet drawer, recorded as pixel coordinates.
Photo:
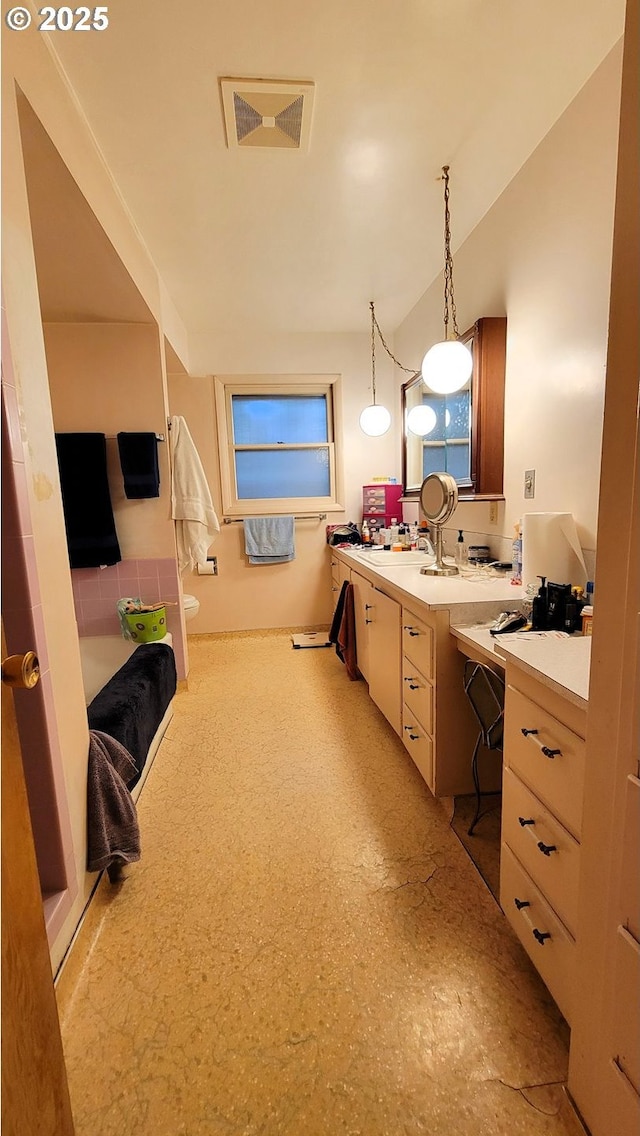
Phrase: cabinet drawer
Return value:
(374, 501)
(532, 919)
(626, 1030)
(418, 694)
(548, 757)
(418, 743)
(417, 642)
(543, 846)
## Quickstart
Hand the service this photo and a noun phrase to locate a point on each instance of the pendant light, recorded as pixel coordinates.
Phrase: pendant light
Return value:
(375, 420)
(421, 420)
(447, 366)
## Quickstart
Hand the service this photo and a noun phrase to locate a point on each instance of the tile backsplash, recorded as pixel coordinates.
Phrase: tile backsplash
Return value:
(97, 590)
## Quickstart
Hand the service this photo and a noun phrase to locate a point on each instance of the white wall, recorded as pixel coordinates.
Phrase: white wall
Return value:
(296, 594)
(542, 256)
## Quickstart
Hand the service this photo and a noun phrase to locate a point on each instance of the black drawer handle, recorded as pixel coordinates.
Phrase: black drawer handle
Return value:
(523, 821)
(551, 752)
(412, 684)
(368, 621)
(546, 849)
(541, 935)
(527, 732)
(520, 903)
(414, 737)
(367, 607)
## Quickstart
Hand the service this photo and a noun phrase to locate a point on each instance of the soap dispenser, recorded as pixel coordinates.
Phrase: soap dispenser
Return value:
(461, 550)
(539, 608)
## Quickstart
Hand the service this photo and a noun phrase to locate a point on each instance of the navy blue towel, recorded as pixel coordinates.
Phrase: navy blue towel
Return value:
(88, 514)
(139, 464)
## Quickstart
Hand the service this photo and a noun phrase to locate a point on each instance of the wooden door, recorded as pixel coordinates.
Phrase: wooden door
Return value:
(35, 1097)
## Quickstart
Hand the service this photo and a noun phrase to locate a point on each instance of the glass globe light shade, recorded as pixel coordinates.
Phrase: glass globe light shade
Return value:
(421, 420)
(375, 420)
(447, 366)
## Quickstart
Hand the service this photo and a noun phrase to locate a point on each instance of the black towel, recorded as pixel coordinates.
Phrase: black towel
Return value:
(133, 703)
(88, 515)
(139, 465)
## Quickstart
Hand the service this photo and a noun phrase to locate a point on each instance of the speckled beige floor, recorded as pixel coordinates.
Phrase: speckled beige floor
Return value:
(305, 948)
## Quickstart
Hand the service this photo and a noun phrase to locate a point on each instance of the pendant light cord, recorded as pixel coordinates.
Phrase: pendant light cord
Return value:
(449, 301)
(376, 326)
(450, 315)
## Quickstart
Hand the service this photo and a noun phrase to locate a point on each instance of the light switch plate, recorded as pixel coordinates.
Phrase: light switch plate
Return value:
(529, 484)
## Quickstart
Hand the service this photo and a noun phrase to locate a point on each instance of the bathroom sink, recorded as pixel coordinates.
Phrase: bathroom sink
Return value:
(388, 559)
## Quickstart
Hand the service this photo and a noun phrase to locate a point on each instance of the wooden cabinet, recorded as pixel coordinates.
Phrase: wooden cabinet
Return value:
(339, 573)
(384, 657)
(377, 619)
(362, 598)
(438, 728)
(543, 787)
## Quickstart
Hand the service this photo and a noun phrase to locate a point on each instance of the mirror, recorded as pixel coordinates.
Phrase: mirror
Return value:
(463, 432)
(438, 501)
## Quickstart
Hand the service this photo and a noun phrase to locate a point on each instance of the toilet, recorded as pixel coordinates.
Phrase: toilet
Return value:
(191, 607)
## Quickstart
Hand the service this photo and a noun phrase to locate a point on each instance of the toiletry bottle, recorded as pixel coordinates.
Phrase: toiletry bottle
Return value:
(366, 535)
(461, 550)
(394, 530)
(516, 555)
(539, 607)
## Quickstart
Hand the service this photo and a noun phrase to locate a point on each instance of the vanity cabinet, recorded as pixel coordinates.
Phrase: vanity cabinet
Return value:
(543, 788)
(339, 573)
(377, 618)
(438, 728)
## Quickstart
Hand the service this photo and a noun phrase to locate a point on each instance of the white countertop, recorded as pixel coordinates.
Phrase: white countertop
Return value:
(435, 592)
(560, 662)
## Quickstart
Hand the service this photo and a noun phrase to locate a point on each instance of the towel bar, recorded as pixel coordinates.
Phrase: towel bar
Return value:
(306, 517)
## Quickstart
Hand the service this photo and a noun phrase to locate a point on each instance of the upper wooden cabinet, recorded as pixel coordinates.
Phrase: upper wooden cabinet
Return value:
(468, 438)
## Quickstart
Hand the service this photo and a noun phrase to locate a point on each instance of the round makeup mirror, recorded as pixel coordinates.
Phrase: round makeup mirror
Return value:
(438, 501)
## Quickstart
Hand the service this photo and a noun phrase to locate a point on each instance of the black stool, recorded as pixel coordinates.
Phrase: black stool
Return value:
(485, 690)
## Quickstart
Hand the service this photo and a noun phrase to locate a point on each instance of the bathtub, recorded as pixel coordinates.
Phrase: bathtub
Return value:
(100, 657)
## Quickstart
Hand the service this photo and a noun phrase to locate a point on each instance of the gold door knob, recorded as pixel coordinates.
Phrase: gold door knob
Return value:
(21, 671)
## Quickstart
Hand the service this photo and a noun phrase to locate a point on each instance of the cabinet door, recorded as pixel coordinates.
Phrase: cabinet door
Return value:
(385, 657)
(362, 600)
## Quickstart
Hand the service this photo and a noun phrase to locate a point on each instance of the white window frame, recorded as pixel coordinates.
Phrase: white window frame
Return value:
(225, 386)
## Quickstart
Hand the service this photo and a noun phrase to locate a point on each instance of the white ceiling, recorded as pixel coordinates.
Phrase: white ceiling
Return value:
(252, 239)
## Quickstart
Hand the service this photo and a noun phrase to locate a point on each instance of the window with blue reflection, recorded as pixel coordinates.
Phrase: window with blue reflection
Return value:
(266, 419)
(282, 473)
(444, 458)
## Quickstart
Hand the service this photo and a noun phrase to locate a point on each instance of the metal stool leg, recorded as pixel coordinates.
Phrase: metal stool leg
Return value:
(476, 782)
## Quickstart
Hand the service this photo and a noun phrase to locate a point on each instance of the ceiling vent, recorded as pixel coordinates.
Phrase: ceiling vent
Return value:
(267, 113)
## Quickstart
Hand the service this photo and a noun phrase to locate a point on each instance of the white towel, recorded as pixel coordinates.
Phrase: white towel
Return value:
(191, 505)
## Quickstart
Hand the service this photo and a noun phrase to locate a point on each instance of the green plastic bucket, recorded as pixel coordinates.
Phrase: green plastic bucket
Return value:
(147, 626)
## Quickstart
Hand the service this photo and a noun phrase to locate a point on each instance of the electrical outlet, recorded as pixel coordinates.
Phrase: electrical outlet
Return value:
(529, 484)
(493, 512)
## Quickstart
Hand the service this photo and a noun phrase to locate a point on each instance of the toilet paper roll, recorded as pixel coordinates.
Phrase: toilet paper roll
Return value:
(206, 569)
(550, 547)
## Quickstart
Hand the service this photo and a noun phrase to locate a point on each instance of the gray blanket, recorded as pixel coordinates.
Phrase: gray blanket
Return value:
(113, 835)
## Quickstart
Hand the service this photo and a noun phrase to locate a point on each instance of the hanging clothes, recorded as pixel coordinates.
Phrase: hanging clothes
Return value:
(191, 505)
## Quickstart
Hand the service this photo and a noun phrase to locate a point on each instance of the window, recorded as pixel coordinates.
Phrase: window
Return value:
(277, 444)
(447, 448)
